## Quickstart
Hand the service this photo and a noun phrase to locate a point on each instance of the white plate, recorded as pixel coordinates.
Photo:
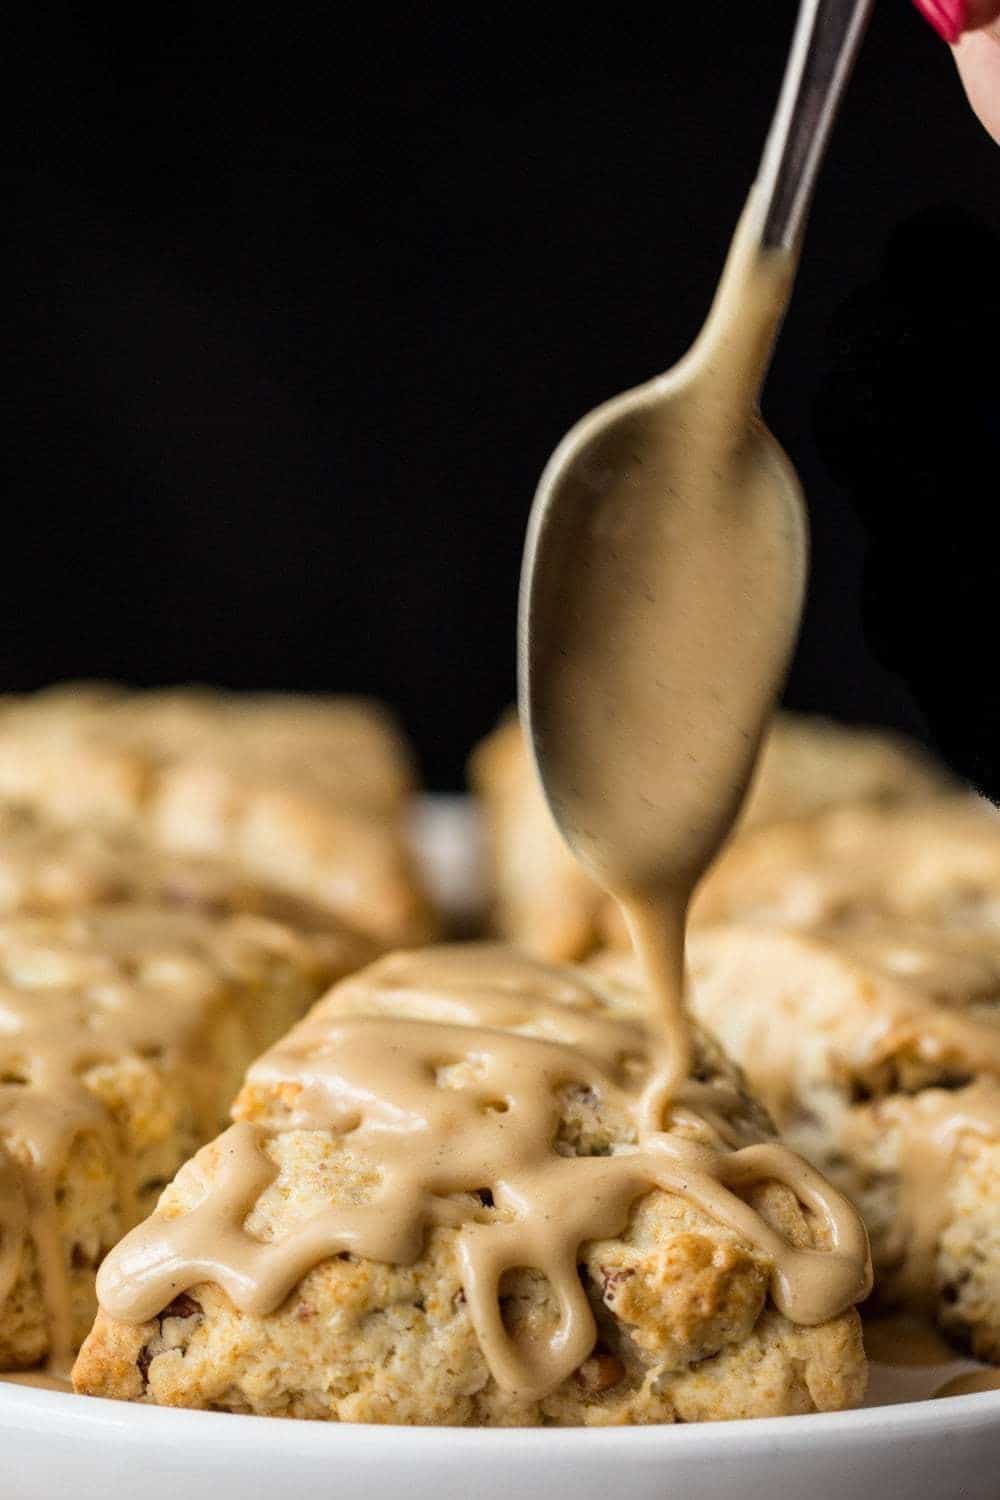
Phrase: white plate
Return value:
(896, 1448)
(56, 1445)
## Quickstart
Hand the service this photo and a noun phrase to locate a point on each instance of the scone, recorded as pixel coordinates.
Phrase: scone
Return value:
(307, 794)
(875, 1043)
(545, 903)
(123, 1036)
(436, 1206)
(936, 861)
(542, 899)
(47, 868)
(808, 764)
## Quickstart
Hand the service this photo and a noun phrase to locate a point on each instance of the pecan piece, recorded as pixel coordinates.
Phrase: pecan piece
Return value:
(182, 1306)
(599, 1373)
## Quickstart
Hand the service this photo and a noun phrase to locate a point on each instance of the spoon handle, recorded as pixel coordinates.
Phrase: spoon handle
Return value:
(827, 38)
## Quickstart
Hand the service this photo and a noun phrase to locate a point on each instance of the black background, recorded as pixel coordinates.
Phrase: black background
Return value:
(295, 312)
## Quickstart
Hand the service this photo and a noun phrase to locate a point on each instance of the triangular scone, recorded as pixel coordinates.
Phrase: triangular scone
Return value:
(123, 1034)
(488, 1074)
(545, 903)
(307, 794)
(876, 1045)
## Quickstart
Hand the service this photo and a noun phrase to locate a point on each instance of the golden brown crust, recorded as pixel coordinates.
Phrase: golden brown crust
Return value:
(308, 795)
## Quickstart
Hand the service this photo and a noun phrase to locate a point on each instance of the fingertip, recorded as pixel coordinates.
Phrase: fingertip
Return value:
(978, 59)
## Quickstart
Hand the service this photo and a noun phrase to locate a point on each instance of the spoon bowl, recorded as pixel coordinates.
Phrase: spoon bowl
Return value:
(660, 605)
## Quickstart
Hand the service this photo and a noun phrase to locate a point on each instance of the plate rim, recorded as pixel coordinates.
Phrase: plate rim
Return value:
(28, 1406)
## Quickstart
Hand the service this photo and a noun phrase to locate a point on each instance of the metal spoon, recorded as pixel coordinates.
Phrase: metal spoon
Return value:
(608, 645)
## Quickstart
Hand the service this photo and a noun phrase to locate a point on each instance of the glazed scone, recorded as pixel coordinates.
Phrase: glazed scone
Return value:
(876, 1046)
(47, 868)
(545, 903)
(678, 1300)
(307, 794)
(123, 1036)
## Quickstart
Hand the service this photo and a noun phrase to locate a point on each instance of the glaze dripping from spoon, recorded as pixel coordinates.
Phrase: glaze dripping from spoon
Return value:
(665, 570)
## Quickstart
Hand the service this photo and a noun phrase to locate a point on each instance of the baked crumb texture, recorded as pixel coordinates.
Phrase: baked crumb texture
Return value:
(124, 1034)
(875, 1043)
(546, 904)
(306, 795)
(685, 1326)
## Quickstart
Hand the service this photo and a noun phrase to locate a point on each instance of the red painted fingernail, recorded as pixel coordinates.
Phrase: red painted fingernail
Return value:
(948, 17)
